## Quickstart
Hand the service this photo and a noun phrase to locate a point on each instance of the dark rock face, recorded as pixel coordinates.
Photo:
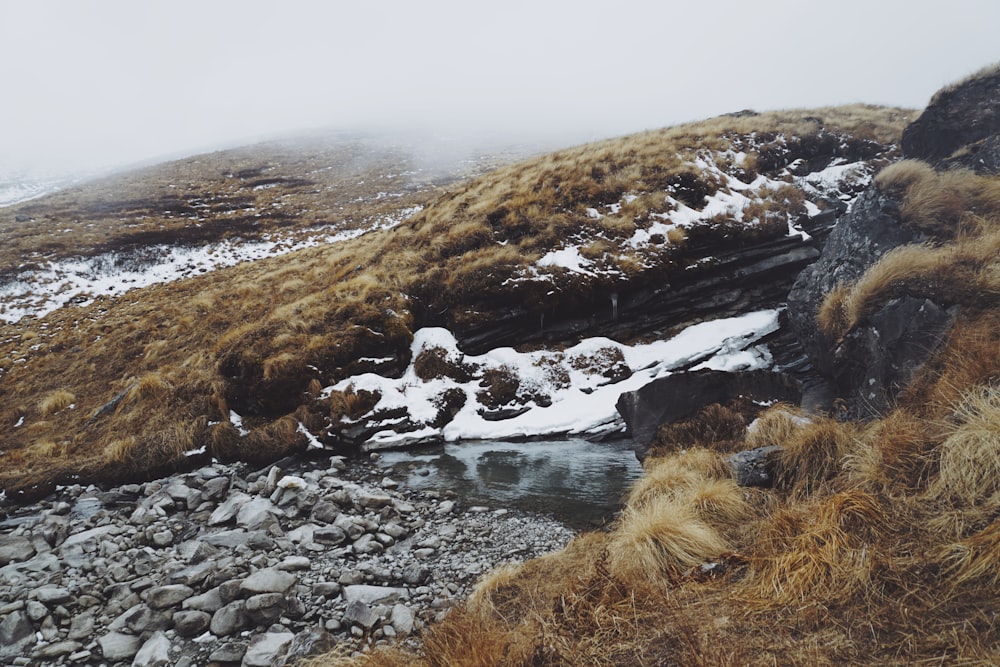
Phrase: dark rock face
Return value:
(957, 116)
(876, 360)
(737, 279)
(682, 394)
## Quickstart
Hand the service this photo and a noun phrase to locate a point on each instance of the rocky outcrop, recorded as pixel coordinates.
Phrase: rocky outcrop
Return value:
(870, 365)
(681, 395)
(230, 565)
(730, 281)
(957, 116)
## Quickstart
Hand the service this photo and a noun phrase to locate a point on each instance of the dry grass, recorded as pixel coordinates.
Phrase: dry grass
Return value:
(879, 545)
(55, 401)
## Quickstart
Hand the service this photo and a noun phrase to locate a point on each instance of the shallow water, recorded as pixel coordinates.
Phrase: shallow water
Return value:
(574, 480)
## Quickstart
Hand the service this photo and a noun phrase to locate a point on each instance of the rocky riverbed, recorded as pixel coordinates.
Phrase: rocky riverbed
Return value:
(231, 565)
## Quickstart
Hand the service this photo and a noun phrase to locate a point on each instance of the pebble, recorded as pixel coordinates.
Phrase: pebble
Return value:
(230, 565)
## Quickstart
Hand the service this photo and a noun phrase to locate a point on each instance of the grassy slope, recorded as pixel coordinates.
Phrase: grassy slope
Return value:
(263, 337)
(879, 544)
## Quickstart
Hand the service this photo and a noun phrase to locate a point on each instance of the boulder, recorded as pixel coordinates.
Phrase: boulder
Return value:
(265, 648)
(962, 114)
(268, 580)
(875, 360)
(16, 635)
(682, 394)
(15, 549)
(117, 646)
(154, 653)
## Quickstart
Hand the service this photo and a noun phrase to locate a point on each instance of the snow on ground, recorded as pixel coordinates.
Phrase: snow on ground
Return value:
(731, 201)
(40, 291)
(582, 397)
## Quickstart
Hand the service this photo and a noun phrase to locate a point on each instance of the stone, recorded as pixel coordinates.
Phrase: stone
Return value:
(265, 648)
(16, 635)
(755, 467)
(326, 589)
(191, 623)
(374, 500)
(681, 395)
(163, 538)
(228, 652)
(325, 512)
(257, 513)
(401, 619)
(155, 652)
(56, 650)
(268, 580)
(416, 575)
(265, 608)
(51, 595)
(957, 115)
(36, 610)
(15, 549)
(445, 507)
(139, 619)
(227, 510)
(215, 488)
(367, 544)
(81, 627)
(870, 364)
(329, 535)
(210, 601)
(309, 642)
(162, 597)
(294, 563)
(230, 619)
(194, 575)
(227, 539)
(374, 594)
(360, 613)
(117, 646)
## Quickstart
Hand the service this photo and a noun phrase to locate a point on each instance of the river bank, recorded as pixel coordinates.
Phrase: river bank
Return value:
(231, 565)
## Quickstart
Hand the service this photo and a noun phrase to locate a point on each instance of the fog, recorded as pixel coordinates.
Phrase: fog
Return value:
(94, 84)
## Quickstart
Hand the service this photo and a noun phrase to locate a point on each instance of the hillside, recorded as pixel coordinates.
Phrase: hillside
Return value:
(232, 363)
(872, 537)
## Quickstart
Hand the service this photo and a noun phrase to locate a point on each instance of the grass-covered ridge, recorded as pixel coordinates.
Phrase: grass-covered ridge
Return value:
(154, 373)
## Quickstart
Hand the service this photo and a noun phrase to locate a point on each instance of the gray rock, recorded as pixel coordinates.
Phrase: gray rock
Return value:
(258, 513)
(755, 467)
(326, 589)
(294, 563)
(82, 626)
(139, 619)
(36, 610)
(367, 544)
(196, 574)
(309, 642)
(215, 488)
(265, 648)
(228, 509)
(56, 650)
(52, 595)
(162, 597)
(210, 601)
(416, 575)
(16, 635)
(163, 538)
(89, 538)
(373, 500)
(15, 549)
(402, 619)
(117, 646)
(374, 594)
(228, 652)
(265, 608)
(230, 619)
(154, 653)
(227, 538)
(191, 623)
(956, 116)
(359, 613)
(325, 512)
(329, 535)
(268, 580)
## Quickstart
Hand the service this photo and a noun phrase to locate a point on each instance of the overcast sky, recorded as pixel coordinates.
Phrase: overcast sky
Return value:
(102, 82)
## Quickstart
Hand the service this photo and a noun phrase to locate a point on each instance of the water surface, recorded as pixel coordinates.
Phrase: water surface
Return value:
(577, 481)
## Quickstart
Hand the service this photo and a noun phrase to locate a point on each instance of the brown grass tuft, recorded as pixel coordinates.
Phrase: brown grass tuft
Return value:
(55, 401)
